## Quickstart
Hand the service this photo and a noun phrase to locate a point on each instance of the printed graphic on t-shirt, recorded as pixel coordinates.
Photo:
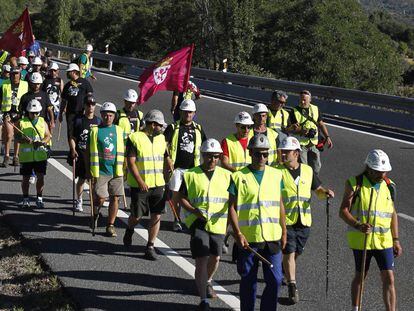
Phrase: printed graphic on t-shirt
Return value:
(73, 89)
(187, 142)
(53, 92)
(83, 139)
(108, 147)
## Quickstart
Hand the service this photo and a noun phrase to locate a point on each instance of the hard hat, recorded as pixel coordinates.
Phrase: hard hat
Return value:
(108, 107)
(378, 161)
(188, 105)
(243, 118)
(34, 106)
(154, 115)
(89, 48)
(259, 141)
(36, 77)
(15, 70)
(73, 67)
(6, 68)
(89, 99)
(37, 61)
(290, 143)
(31, 54)
(54, 66)
(131, 95)
(211, 145)
(22, 61)
(259, 108)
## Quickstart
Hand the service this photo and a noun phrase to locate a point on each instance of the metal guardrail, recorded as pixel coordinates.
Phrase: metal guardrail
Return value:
(372, 108)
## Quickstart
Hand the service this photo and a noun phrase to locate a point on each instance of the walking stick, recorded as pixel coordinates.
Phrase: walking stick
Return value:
(92, 207)
(261, 258)
(125, 201)
(60, 129)
(73, 186)
(328, 203)
(170, 203)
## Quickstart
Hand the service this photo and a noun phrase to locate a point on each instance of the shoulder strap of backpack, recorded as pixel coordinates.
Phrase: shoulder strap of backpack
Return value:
(359, 180)
(391, 187)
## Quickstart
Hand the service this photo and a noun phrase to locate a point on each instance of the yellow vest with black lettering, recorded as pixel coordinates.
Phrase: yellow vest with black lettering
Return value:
(27, 151)
(306, 124)
(238, 157)
(94, 154)
(209, 196)
(125, 123)
(7, 101)
(278, 120)
(149, 160)
(272, 136)
(174, 142)
(258, 206)
(382, 209)
(297, 198)
(86, 66)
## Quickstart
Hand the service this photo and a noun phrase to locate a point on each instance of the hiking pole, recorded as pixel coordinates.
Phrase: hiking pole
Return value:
(73, 185)
(59, 130)
(170, 203)
(261, 258)
(20, 131)
(125, 201)
(92, 208)
(328, 203)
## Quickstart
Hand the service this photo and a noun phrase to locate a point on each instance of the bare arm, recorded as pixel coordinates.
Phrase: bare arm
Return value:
(174, 101)
(282, 222)
(322, 192)
(233, 219)
(225, 163)
(134, 171)
(184, 202)
(395, 236)
(325, 133)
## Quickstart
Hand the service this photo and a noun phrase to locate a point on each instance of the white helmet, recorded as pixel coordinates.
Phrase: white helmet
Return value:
(211, 145)
(22, 61)
(89, 48)
(36, 78)
(131, 95)
(259, 108)
(34, 106)
(73, 67)
(188, 105)
(54, 66)
(6, 68)
(108, 107)
(290, 143)
(37, 61)
(243, 118)
(156, 116)
(378, 160)
(259, 141)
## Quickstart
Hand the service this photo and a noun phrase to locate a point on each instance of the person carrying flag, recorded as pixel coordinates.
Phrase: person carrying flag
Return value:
(192, 92)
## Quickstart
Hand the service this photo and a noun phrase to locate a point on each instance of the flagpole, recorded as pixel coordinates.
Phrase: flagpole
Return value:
(189, 68)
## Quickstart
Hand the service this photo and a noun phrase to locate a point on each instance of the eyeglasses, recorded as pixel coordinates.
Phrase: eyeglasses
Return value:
(213, 156)
(35, 113)
(259, 154)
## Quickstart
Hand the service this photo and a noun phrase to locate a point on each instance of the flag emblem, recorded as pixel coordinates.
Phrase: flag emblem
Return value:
(161, 71)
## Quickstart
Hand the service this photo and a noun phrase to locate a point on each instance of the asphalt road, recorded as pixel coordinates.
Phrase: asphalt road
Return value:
(100, 273)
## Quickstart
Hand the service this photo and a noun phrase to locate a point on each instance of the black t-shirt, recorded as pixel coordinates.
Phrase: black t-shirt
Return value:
(80, 130)
(133, 117)
(183, 188)
(41, 96)
(52, 87)
(186, 144)
(305, 112)
(74, 93)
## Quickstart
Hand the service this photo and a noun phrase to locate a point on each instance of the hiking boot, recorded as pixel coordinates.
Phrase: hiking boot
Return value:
(110, 231)
(211, 293)
(177, 226)
(5, 163)
(293, 293)
(128, 237)
(204, 306)
(39, 203)
(150, 254)
(16, 161)
(79, 207)
(25, 203)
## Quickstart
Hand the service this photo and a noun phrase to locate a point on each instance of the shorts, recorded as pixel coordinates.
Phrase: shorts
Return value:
(176, 179)
(106, 186)
(383, 257)
(27, 168)
(143, 203)
(203, 243)
(296, 239)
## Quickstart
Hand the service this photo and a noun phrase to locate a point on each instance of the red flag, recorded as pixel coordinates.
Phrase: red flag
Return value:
(171, 74)
(19, 36)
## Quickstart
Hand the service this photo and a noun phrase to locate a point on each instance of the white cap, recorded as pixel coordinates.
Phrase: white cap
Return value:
(378, 161)
(54, 66)
(36, 77)
(259, 108)
(243, 118)
(34, 106)
(188, 105)
(108, 107)
(290, 143)
(155, 115)
(131, 95)
(73, 67)
(89, 48)
(37, 61)
(259, 141)
(22, 61)
(211, 145)
(6, 68)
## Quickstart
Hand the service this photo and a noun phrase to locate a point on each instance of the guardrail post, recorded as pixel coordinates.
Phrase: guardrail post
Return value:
(91, 61)
(110, 65)
(58, 56)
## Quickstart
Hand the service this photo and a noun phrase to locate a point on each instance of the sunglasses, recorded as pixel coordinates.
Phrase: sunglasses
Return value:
(213, 156)
(245, 127)
(258, 154)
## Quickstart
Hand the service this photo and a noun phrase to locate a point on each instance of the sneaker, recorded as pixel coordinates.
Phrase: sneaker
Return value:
(211, 293)
(128, 237)
(293, 293)
(25, 203)
(204, 306)
(5, 163)
(110, 231)
(177, 226)
(32, 180)
(39, 203)
(224, 249)
(16, 161)
(150, 254)
(79, 207)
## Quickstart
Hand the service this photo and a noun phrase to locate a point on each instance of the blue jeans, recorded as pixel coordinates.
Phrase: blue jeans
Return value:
(247, 267)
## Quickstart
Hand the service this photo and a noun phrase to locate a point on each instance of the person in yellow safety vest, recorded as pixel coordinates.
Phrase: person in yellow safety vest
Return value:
(298, 181)
(368, 210)
(85, 63)
(192, 92)
(257, 215)
(3, 57)
(306, 122)
(184, 139)
(5, 74)
(259, 118)
(204, 196)
(10, 93)
(33, 151)
(147, 159)
(277, 117)
(129, 118)
(235, 154)
(106, 159)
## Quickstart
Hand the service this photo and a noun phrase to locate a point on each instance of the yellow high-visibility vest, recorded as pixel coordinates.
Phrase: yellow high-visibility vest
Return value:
(8, 100)
(174, 143)
(125, 124)
(238, 157)
(27, 152)
(300, 118)
(279, 120)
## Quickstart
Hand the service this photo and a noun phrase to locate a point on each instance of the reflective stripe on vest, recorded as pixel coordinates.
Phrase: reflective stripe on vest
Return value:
(174, 142)
(238, 157)
(210, 197)
(275, 121)
(125, 123)
(8, 100)
(27, 151)
(149, 160)
(380, 216)
(300, 118)
(258, 206)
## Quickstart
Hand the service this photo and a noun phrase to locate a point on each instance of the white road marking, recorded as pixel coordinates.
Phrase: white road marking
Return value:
(184, 264)
(409, 218)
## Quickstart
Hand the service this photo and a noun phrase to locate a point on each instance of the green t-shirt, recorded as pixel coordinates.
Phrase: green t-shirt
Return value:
(83, 60)
(107, 150)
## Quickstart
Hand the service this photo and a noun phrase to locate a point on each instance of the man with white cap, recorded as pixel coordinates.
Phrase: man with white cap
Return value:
(23, 62)
(129, 118)
(147, 160)
(204, 196)
(368, 210)
(85, 63)
(5, 74)
(184, 139)
(36, 66)
(53, 86)
(298, 182)
(106, 159)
